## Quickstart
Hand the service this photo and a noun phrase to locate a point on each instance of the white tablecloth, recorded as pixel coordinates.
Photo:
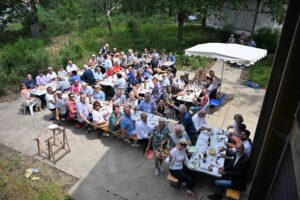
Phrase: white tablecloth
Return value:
(41, 90)
(218, 139)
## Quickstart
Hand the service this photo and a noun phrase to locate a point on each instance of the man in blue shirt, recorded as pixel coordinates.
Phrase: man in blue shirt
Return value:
(74, 77)
(88, 75)
(187, 122)
(172, 58)
(147, 105)
(29, 82)
(83, 112)
(127, 125)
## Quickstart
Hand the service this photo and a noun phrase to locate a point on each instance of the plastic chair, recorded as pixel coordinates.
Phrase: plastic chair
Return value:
(216, 102)
(25, 104)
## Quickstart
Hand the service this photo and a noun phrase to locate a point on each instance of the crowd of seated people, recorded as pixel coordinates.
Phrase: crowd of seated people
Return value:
(80, 97)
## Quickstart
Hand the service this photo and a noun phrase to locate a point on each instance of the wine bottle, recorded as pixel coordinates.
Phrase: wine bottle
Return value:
(204, 157)
(208, 141)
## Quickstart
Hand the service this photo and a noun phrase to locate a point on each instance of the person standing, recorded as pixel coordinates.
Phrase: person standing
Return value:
(188, 124)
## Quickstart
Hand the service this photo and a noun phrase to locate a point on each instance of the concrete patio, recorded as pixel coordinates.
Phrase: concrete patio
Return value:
(110, 169)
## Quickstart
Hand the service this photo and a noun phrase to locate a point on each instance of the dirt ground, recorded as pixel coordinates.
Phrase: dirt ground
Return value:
(52, 184)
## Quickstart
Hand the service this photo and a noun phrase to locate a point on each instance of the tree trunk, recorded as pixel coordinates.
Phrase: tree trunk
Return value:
(132, 7)
(204, 21)
(94, 16)
(34, 27)
(258, 2)
(109, 24)
(171, 8)
(180, 18)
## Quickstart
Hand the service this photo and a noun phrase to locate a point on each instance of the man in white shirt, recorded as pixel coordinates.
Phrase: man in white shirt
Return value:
(51, 76)
(143, 130)
(121, 83)
(200, 121)
(71, 67)
(50, 99)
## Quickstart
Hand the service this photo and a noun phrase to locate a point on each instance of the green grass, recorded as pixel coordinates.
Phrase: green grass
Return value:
(260, 72)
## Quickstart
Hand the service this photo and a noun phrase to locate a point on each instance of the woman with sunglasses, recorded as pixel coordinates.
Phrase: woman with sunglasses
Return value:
(71, 105)
(98, 119)
(178, 166)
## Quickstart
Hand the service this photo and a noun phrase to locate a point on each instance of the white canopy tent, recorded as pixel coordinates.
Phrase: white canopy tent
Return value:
(234, 53)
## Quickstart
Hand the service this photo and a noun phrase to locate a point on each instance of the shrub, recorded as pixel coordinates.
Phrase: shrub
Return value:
(192, 62)
(73, 51)
(132, 26)
(267, 38)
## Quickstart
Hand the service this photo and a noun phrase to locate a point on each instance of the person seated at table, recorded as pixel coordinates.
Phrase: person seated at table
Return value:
(136, 91)
(168, 96)
(98, 94)
(163, 57)
(123, 59)
(29, 82)
(71, 67)
(50, 99)
(107, 62)
(158, 140)
(233, 173)
(109, 72)
(139, 75)
(100, 59)
(62, 84)
(172, 58)
(160, 109)
(114, 121)
(215, 79)
(154, 59)
(156, 91)
(60, 107)
(93, 61)
(98, 118)
(88, 75)
(98, 74)
(244, 138)
(83, 112)
(41, 79)
(86, 89)
(130, 72)
(178, 166)
(145, 60)
(136, 63)
(200, 121)
(119, 98)
(187, 122)
(133, 81)
(176, 91)
(238, 119)
(199, 77)
(132, 101)
(128, 127)
(73, 77)
(201, 102)
(121, 83)
(105, 49)
(147, 72)
(165, 82)
(177, 135)
(143, 130)
(234, 138)
(147, 104)
(25, 96)
(51, 75)
(71, 105)
(117, 68)
(76, 87)
(62, 72)
(185, 77)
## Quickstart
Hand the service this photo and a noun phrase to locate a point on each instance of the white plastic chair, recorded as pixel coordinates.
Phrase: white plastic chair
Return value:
(25, 104)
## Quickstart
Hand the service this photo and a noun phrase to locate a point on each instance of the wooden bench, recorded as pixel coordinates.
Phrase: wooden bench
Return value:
(174, 182)
(232, 194)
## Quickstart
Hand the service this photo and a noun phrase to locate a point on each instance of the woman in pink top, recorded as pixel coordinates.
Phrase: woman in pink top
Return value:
(71, 104)
(76, 87)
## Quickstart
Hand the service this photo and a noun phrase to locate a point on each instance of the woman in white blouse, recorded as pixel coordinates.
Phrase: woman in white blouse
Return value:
(178, 166)
(98, 119)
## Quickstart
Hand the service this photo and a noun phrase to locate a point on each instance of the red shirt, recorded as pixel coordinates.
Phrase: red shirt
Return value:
(109, 72)
(117, 68)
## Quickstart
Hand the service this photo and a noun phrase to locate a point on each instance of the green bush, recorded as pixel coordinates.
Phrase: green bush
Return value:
(22, 57)
(73, 51)
(132, 26)
(192, 62)
(267, 38)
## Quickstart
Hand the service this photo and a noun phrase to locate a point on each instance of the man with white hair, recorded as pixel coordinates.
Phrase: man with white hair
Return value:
(86, 89)
(51, 75)
(177, 135)
(188, 124)
(200, 121)
(83, 112)
(71, 67)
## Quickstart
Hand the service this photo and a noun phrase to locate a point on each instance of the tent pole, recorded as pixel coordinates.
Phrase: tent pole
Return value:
(221, 79)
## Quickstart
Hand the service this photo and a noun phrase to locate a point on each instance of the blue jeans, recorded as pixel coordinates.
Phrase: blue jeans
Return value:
(220, 185)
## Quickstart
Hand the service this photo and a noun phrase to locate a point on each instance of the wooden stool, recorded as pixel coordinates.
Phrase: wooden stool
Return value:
(232, 194)
(174, 182)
